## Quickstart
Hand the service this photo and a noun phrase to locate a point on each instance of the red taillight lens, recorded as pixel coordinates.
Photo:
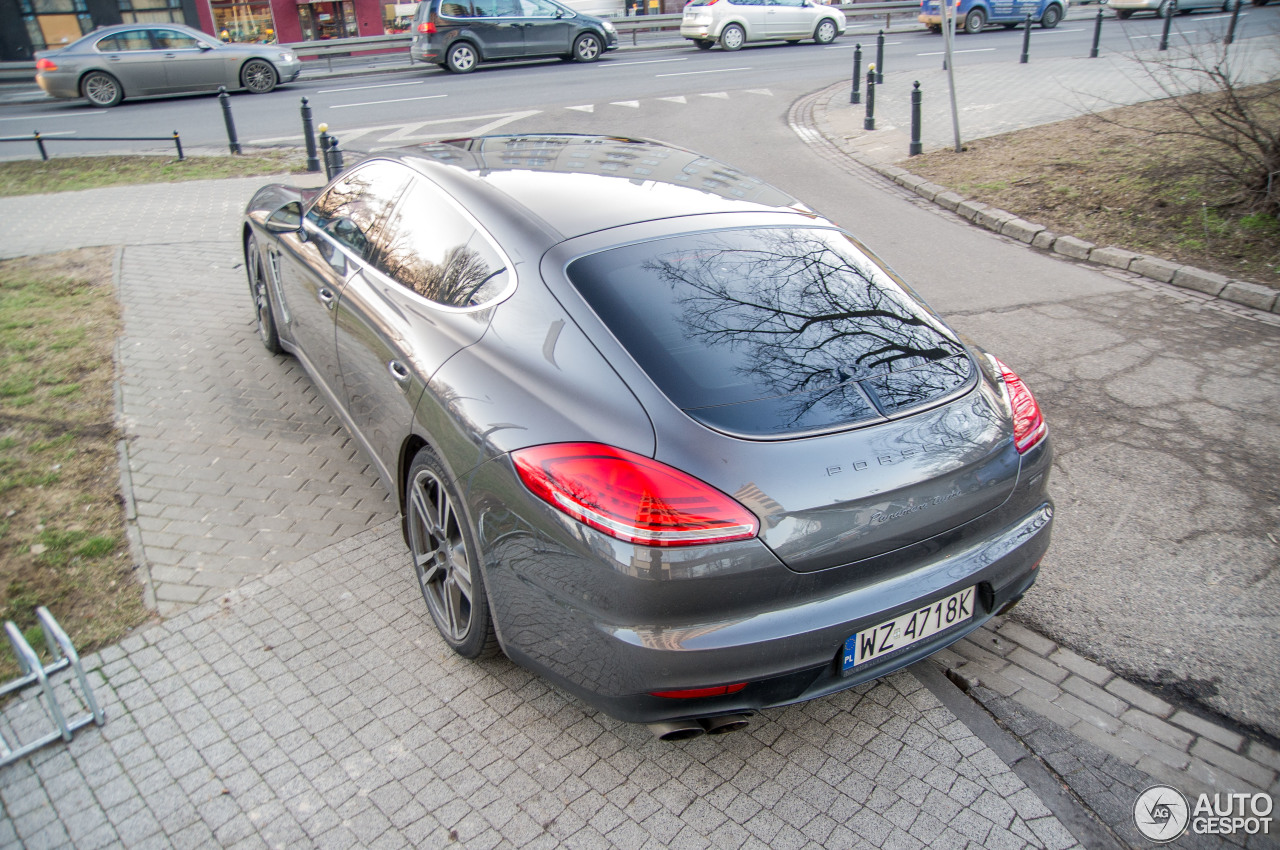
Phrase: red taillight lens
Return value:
(694, 693)
(45, 65)
(630, 497)
(429, 28)
(1029, 427)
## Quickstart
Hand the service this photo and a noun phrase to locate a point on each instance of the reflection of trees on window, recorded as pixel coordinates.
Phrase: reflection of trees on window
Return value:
(797, 313)
(458, 280)
(353, 206)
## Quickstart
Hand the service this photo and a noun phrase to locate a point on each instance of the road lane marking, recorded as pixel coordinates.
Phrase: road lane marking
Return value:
(974, 50)
(94, 114)
(379, 102)
(691, 73)
(362, 88)
(639, 62)
(850, 47)
(634, 104)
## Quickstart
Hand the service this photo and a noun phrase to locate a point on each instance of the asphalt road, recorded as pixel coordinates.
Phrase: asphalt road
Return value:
(1165, 413)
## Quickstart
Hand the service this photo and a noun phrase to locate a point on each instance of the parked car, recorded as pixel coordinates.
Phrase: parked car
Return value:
(134, 60)
(656, 429)
(974, 15)
(460, 34)
(734, 23)
(1166, 8)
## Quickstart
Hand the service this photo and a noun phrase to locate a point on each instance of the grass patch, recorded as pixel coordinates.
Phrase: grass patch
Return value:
(65, 174)
(62, 542)
(1110, 180)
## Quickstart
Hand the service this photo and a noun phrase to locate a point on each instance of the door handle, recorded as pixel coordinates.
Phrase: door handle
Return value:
(398, 371)
(171, 56)
(326, 297)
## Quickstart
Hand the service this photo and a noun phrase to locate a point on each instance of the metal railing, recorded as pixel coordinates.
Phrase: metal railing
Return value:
(42, 140)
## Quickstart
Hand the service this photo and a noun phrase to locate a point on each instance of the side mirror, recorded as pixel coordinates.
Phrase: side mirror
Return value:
(287, 219)
(204, 46)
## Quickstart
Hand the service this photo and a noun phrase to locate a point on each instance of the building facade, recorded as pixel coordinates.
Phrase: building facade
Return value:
(30, 25)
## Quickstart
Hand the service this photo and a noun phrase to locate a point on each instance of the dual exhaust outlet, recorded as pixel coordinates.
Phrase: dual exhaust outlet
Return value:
(683, 730)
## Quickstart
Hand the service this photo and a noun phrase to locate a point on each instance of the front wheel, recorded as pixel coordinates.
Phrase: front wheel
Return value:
(733, 37)
(259, 76)
(261, 295)
(1051, 16)
(587, 48)
(975, 21)
(446, 559)
(101, 89)
(461, 58)
(825, 33)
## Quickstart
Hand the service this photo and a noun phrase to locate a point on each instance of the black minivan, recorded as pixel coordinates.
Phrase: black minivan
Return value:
(460, 34)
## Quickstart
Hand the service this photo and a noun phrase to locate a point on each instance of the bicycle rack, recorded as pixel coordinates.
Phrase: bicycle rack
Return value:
(64, 655)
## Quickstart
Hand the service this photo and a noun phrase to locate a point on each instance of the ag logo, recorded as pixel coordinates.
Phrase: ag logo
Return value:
(1161, 813)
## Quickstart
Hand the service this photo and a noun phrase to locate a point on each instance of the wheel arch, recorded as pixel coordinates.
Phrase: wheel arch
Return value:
(97, 70)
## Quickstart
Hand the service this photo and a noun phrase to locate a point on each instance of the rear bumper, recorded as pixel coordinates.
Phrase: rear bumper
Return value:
(785, 652)
(58, 85)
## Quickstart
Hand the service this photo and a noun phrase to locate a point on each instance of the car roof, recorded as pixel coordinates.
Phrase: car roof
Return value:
(578, 184)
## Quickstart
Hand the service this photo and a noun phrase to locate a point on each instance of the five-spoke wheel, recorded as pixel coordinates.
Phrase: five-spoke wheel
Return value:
(461, 58)
(587, 47)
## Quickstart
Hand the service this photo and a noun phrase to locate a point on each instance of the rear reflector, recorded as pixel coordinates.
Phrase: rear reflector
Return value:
(631, 497)
(1029, 427)
(694, 693)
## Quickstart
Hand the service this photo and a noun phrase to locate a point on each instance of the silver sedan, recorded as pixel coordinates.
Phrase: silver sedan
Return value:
(132, 60)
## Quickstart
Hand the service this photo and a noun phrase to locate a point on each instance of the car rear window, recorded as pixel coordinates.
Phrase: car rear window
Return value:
(769, 332)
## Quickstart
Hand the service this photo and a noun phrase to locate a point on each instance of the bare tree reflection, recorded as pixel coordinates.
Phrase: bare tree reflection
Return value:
(457, 279)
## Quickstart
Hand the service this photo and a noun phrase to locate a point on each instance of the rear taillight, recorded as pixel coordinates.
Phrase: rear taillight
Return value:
(45, 65)
(429, 28)
(1029, 427)
(631, 497)
(695, 693)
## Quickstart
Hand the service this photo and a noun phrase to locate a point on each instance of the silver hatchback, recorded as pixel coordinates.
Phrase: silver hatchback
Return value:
(733, 23)
(132, 60)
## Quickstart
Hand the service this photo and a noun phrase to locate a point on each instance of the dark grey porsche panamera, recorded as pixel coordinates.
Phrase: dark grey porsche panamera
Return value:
(658, 431)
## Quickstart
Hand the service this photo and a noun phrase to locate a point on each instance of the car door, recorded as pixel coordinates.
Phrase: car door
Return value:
(788, 19)
(190, 64)
(499, 26)
(548, 28)
(339, 228)
(130, 56)
(421, 301)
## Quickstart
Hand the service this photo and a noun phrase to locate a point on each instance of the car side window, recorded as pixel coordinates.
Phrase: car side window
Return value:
(429, 247)
(539, 9)
(174, 40)
(130, 40)
(456, 10)
(351, 209)
(485, 8)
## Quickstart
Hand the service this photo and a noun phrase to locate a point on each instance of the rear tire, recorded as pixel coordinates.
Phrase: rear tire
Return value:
(462, 58)
(825, 32)
(1051, 16)
(733, 37)
(587, 48)
(446, 559)
(101, 89)
(975, 21)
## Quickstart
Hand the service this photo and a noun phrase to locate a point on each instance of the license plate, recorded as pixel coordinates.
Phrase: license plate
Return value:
(906, 629)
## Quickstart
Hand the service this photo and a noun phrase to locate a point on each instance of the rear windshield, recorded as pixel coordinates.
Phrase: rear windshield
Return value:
(772, 331)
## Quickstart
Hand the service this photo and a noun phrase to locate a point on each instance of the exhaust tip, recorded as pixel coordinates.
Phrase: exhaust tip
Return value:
(725, 723)
(676, 730)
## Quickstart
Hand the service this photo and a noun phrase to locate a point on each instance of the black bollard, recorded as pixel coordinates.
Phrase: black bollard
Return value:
(335, 155)
(1097, 34)
(1168, 22)
(40, 145)
(1231, 28)
(177, 143)
(309, 135)
(880, 58)
(869, 123)
(856, 96)
(225, 100)
(915, 148)
(1026, 40)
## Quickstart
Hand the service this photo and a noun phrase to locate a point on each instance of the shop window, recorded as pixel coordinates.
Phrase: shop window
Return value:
(335, 19)
(243, 21)
(54, 23)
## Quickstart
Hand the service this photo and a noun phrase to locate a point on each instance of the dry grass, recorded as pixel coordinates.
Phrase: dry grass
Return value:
(64, 174)
(1109, 179)
(62, 542)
